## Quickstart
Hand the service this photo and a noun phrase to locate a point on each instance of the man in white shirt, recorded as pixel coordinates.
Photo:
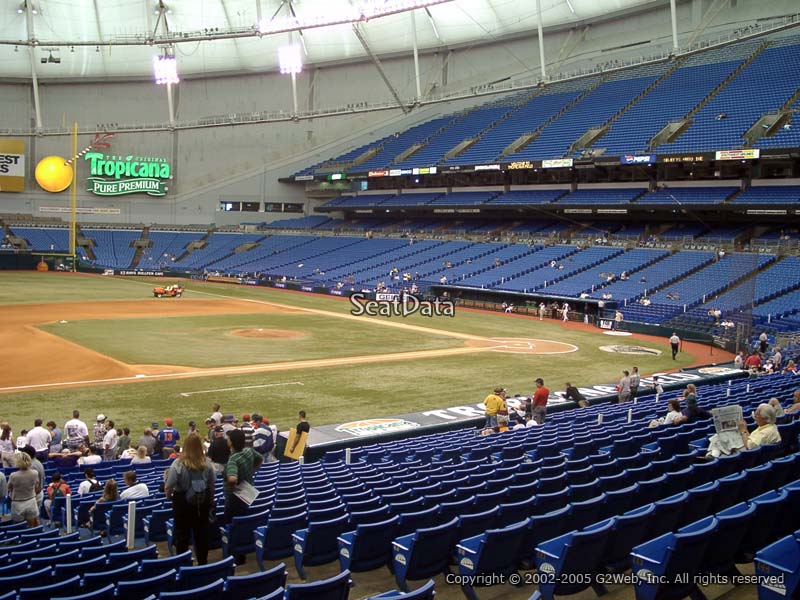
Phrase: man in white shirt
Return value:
(39, 438)
(763, 342)
(85, 486)
(75, 431)
(90, 458)
(110, 441)
(675, 343)
(135, 489)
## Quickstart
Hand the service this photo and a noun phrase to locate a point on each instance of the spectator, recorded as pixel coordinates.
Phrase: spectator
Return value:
(99, 431)
(228, 423)
(763, 342)
(24, 486)
(76, 431)
(753, 362)
(3, 486)
(302, 427)
(738, 362)
(692, 412)
(243, 462)
(790, 368)
(66, 459)
(148, 440)
(7, 446)
(124, 441)
(635, 380)
(673, 412)
(263, 439)
(110, 494)
(39, 438)
(539, 402)
(656, 385)
(777, 358)
(37, 466)
(90, 457)
(219, 450)
(493, 403)
(215, 414)
(624, 387)
(795, 407)
(247, 429)
(766, 432)
(168, 436)
(89, 484)
(110, 441)
(55, 437)
(57, 489)
(572, 393)
(190, 484)
(141, 457)
(135, 489)
(776, 405)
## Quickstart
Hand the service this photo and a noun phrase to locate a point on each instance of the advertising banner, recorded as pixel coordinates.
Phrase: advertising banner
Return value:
(12, 165)
(744, 154)
(557, 163)
(632, 159)
(120, 175)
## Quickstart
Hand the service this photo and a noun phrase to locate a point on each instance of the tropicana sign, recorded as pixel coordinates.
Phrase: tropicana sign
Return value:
(117, 175)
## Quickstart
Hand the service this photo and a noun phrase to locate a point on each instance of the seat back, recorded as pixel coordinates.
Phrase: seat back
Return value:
(276, 537)
(321, 539)
(430, 550)
(334, 588)
(256, 585)
(477, 522)
(373, 543)
(412, 521)
(190, 577)
(155, 566)
(630, 530)
(209, 591)
(500, 548)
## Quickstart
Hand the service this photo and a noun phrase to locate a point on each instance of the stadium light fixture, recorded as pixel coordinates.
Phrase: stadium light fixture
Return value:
(361, 11)
(290, 59)
(165, 70)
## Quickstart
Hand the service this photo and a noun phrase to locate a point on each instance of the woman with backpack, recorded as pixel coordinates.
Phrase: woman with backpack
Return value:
(190, 484)
(57, 488)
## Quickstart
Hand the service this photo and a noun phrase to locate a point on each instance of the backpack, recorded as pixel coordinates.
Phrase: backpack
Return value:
(94, 485)
(196, 494)
(58, 490)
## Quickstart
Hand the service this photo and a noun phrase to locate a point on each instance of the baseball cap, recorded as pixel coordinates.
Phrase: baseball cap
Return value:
(257, 417)
(228, 419)
(499, 390)
(192, 424)
(168, 422)
(101, 417)
(218, 429)
(246, 417)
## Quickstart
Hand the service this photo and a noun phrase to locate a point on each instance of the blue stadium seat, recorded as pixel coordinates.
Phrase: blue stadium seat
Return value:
(368, 547)
(541, 528)
(584, 513)
(93, 550)
(274, 540)
(333, 588)
(630, 530)
(68, 586)
(98, 579)
(104, 593)
(66, 570)
(699, 503)
(570, 556)
(142, 588)
(119, 559)
(198, 576)
(473, 523)
(237, 536)
(669, 513)
(724, 546)
(244, 587)
(317, 544)
(425, 592)
(667, 556)
(732, 490)
(780, 561)
(210, 591)
(150, 567)
(42, 576)
(423, 553)
(495, 551)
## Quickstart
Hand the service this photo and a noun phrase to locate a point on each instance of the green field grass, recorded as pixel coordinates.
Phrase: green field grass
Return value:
(329, 394)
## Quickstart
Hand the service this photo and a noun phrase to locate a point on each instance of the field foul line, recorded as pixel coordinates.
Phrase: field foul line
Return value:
(241, 387)
(261, 368)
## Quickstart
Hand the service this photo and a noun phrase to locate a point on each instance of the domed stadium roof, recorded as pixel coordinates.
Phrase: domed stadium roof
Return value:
(120, 38)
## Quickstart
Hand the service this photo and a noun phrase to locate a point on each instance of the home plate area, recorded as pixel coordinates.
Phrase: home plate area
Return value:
(523, 346)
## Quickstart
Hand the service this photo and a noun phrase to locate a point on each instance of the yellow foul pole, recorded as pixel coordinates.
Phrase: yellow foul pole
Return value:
(73, 196)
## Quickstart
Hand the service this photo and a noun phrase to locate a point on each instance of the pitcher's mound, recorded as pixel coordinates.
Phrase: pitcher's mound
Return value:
(272, 334)
(523, 346)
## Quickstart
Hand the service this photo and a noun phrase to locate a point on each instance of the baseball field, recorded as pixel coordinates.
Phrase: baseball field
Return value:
(105, 344)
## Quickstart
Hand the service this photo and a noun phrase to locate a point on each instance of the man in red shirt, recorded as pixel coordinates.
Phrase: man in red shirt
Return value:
(753, 361)
(540, 397)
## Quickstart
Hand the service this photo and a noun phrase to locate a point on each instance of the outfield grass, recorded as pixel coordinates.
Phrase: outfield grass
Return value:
(329, 395)
(207, 341)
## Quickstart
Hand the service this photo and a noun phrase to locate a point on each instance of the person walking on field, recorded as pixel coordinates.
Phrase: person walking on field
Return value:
(675, 343)
(190, 484)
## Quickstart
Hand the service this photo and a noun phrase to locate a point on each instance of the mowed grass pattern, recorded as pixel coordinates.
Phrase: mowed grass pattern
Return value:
(330, 394)
(209, 341)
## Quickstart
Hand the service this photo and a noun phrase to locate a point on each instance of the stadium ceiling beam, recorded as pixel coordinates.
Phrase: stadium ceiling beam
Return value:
(230, 26)
(360, 35)
(37, 107)
(258, 11)
(99, 29)
(541, 38)
(433, 24)
(708, 17)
